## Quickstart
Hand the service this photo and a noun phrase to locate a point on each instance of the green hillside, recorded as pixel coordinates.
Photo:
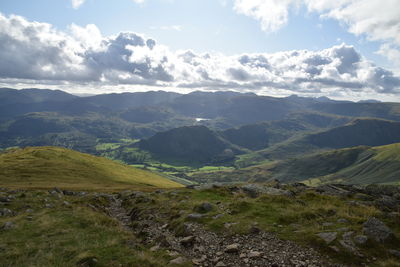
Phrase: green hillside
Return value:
(359, 132)
(47, 167)
(375, 165)
(189, 144)
(356, 165)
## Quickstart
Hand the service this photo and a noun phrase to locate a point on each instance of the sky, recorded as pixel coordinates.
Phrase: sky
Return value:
(343, 49)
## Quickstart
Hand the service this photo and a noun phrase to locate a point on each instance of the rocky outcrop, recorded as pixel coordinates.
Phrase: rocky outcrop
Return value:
(377, 230)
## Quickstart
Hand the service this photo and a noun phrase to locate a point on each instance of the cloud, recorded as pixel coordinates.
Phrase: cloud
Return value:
(77, 3)
(378, 20)
(37, 53)
(272, 14)
(168, 28)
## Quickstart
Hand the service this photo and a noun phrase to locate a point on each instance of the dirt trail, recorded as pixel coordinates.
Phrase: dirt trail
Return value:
(205, 248)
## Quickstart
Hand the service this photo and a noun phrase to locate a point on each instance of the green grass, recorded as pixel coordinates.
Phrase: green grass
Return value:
(66, 234)
(298, 219)
(46, 167)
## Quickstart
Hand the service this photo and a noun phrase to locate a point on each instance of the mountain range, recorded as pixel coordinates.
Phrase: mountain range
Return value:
(203, 128)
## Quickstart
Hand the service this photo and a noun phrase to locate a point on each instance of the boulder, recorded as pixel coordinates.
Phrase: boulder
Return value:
(187, 241)
(254, 254)
(377, 230)
(394, 252)
(232, 248)
(8, 225)
(195, 216)
(328, 237)
(380, 190)
(87, 262)
(254, 190)
(205, 207)
(333, 190)
(178, 261)
(361, 239)
(387, 203)
(6, 212)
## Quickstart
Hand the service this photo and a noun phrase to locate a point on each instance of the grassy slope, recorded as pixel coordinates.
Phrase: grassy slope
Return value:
(64, 235)
(46, 167)
(375, 165)
(357, 165)
(362, 131)
(297, 218)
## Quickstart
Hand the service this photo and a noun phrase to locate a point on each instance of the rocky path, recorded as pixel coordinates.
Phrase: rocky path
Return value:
(205, 248)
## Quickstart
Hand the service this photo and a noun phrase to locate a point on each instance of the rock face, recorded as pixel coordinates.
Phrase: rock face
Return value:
(377, 230)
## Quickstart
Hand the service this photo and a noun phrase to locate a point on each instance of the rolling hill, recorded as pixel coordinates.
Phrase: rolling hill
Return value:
(262, 135)
(190, 144)
(362, 131)
(48, 167)
(356, 165)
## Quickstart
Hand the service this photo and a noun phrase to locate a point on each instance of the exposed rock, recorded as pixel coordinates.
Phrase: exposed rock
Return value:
(361, 239)
(217, 216)
(6, 212)
(68, 193)
(87, 262)
(254, 254)
(254, 229)
(195, 216)
(333, 190)
(5, 199)
(8, 225)
(387, 203)
(200, 260)
(154, 248)
(342, 220)
(377, 230)
(328, 237)
(233, 248)
(254, 190)
(350, 247)
(173, 253)
(178, 261)
(379, 190)
(220, 264)
(327, 224)
(394, 252)
(57, 190)
(205, 207)
(188, 241)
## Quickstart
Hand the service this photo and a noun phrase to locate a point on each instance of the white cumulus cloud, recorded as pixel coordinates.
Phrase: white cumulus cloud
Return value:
(378, 20)
(34, 52)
